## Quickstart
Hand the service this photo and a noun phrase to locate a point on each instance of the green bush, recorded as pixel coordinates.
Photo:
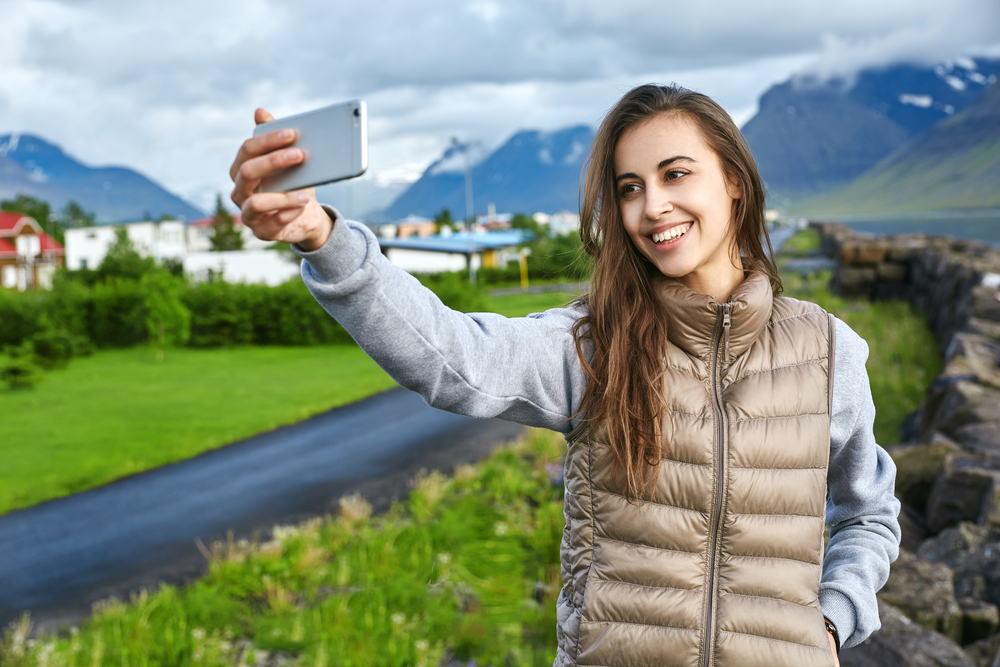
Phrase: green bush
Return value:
(53, 349)
(455, 290)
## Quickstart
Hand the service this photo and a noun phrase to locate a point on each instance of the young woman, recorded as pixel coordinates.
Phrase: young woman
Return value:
(712, 425)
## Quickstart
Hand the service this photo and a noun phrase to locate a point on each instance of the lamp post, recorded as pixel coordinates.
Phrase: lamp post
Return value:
(470, 213)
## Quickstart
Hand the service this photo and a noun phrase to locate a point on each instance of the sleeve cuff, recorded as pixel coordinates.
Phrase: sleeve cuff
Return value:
(840, 610)
(343, 253)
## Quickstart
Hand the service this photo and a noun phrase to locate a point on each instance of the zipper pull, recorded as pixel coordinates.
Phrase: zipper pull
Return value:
(725, 329)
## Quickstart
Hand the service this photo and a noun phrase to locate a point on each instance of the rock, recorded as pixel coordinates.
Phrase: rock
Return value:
(976, 355)
(965, 490)
(984, 652)
(979, 619)
(980, 438)
(986, 303)
(957, 400)
(912, 526)
(917, 466)
(983, 327)
(925, 592)
(903, 643)
(892, 272)
(866, 252)
(973, 554)
(855, 281)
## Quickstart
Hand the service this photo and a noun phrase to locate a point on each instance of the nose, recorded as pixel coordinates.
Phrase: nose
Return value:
(658, 202)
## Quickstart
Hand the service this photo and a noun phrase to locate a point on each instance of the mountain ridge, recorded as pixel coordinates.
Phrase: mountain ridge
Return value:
(32, 166)
(953, 165)
(530, 172)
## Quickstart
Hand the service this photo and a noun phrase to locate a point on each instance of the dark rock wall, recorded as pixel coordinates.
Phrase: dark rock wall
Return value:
(945, 588)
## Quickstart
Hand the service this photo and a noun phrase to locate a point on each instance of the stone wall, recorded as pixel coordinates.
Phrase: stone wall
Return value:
(948, 469)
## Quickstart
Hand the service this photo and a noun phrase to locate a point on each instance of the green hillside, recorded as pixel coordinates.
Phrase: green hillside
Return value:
(954, 165)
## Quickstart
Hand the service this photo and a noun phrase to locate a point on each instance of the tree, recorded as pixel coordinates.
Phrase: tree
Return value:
(225, 236)
(168, 320)
(124, 261)
(522, 221)
(73, 215)
(442, 220)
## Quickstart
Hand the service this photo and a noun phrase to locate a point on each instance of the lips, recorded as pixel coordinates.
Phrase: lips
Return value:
(671, 233)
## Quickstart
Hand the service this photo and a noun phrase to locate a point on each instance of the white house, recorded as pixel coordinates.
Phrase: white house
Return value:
(188, 243)
(87, 246)
(199, 236)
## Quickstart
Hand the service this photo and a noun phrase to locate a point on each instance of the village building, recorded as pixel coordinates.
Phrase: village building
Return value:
(28, 256)
(87, 246)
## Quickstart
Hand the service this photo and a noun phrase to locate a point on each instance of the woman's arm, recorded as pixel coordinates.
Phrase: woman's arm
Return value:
(483, 364)
(479, 364)
(861, 510)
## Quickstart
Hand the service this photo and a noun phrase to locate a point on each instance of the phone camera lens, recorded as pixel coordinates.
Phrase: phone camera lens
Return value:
(357, 112)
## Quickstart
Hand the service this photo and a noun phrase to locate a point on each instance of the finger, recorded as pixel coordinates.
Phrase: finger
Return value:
(263, 202)
(261, 145)
(262, 116)
(252, 171)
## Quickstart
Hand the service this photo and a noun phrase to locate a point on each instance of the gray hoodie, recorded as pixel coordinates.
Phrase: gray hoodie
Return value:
(527, 370)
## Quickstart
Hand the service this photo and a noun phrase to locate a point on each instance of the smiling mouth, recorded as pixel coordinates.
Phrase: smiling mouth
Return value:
(672, 234)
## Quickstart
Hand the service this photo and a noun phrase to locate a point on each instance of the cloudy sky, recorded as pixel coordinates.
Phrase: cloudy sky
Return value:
(169, 88)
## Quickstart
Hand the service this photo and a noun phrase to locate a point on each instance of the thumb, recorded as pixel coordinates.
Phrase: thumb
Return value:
(262, 116)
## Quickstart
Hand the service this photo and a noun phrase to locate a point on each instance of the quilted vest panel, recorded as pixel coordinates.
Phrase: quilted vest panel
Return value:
(720, 564)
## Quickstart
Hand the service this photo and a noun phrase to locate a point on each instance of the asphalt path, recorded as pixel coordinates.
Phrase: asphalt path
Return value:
(59, 557)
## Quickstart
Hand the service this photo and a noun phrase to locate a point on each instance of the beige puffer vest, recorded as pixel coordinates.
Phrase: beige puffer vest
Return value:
(721, 564)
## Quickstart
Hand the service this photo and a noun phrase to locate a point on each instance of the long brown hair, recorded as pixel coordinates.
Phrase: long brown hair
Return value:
(626, 326)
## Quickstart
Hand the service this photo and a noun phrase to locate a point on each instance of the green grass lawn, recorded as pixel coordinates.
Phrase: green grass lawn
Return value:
(120, 412)
(519, 305)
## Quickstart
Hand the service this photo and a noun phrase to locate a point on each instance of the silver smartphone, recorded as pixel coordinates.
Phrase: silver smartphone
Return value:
(335, 141)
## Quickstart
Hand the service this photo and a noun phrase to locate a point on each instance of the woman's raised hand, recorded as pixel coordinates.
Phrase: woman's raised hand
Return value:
(292, 217)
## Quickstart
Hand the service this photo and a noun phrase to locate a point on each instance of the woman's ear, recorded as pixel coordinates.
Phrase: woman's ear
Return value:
(733, 187)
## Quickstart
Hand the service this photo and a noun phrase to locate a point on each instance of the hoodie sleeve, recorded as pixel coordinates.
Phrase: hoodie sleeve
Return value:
(861, 509)
(478, 364)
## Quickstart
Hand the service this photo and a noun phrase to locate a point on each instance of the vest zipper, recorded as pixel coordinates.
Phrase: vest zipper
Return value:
(722, 338)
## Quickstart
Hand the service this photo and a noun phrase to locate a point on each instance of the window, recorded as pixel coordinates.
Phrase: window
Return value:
(10, 276)
(83, 263)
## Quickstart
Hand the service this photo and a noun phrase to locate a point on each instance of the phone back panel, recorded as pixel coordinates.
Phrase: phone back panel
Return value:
(335, 141)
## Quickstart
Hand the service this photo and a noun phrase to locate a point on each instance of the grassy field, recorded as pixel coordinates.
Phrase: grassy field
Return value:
(467, 569)
(120, 412)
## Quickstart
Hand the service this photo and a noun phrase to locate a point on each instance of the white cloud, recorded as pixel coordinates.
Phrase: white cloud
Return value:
(170, 88)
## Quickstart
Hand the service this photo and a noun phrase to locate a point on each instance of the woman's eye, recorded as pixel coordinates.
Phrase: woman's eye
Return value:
(674, 174)
(628, 189)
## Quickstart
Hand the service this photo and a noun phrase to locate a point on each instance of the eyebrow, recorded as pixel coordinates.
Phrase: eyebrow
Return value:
(660, 166)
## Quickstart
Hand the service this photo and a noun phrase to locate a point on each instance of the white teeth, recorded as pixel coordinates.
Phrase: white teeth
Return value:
(670, 234)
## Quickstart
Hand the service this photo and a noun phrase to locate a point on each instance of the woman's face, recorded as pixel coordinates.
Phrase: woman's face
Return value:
(676, 202)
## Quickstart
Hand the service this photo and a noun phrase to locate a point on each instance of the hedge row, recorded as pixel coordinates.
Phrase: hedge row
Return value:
(125, 312)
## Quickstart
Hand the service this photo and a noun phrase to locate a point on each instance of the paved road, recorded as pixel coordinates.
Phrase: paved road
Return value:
(59, 557)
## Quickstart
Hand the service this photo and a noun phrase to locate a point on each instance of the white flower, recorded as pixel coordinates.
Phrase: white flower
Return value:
(501, 529)
(398, 619)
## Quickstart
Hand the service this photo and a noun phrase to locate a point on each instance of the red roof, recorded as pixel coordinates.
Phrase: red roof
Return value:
(8, 221)
(207, 222)
(50, 245)
(7, 249)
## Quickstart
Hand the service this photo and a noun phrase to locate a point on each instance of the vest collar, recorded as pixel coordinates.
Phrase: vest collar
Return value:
(693, 318)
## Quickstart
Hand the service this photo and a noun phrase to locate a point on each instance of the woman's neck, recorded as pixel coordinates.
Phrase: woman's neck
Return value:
(717, 284)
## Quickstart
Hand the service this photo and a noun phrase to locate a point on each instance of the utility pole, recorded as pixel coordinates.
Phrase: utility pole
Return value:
(470, 212)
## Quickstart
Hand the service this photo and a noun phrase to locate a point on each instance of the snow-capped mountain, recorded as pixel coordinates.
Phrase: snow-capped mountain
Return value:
(532, 171)
(811, 136)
